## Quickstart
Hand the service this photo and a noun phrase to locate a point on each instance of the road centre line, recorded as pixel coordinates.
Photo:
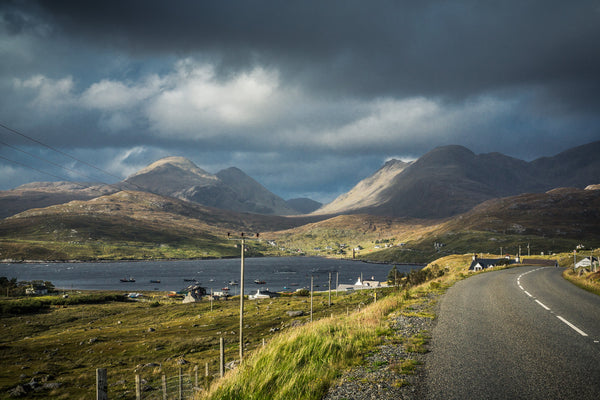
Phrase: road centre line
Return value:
(576, 329)
(542, 304)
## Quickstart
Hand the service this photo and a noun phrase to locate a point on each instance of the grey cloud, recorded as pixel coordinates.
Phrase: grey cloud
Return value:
(388, 47)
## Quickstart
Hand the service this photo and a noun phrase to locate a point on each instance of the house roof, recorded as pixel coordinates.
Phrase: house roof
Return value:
(485, 262)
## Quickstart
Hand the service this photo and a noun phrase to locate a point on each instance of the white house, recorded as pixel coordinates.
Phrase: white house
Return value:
(265, 294)
(586, 262)
(36, 289)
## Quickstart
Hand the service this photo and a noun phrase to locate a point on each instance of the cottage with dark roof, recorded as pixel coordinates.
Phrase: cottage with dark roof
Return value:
(479, 264)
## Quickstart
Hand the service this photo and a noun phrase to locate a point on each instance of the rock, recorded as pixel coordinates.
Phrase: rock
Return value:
(92, 340)
(295, 313)
(51, 385)
(17, 391)
(151, 330)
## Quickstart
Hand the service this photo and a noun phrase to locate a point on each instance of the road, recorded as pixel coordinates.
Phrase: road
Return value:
(520, 333)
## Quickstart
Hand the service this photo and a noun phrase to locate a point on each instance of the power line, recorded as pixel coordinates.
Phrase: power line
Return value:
(58, 151)
(48, 161)
(116, 186)
(40, 171)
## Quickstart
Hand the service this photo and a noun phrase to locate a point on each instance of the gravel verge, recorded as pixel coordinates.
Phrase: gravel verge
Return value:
(386, 374)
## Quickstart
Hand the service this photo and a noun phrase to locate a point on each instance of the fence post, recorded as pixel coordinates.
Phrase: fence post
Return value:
(164, 386)
(101, 384)
(222, 357)
(180, 384)
(138, 387)
(206, 377)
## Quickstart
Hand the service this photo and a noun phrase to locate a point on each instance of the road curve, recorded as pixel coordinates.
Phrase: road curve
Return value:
(519, 333)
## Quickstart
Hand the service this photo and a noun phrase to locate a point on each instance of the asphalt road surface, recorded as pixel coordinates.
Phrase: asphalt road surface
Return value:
(520, 333)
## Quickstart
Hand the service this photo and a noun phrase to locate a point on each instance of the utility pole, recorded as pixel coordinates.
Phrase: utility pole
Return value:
(242, 238)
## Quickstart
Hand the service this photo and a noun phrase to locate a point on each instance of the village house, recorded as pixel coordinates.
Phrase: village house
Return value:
(194, 294)
(587, 262)
(36, 290)
(262, 294)
(479, 264)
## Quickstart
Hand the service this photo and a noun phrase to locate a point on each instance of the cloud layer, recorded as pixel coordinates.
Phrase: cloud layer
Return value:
(306, 97)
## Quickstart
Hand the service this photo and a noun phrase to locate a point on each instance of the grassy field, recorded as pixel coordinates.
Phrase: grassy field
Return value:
(64, 344)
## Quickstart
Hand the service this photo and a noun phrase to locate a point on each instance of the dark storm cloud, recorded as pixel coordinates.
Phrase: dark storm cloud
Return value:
(434, 48)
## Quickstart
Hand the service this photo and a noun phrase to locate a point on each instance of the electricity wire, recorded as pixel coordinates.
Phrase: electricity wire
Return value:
(40, 171)
(16, 132)
(48, 161)
(58, 151)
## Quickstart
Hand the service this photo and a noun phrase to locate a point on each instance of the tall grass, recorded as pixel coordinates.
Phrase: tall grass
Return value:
(303, 362)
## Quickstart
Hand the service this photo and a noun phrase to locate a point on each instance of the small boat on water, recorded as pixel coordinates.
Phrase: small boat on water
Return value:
(154, 280)
(259, 282)
(233, 283)
(130, 279)
(189, 280)
(225, 289)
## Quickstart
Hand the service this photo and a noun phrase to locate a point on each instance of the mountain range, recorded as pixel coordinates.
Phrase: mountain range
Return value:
(450, 200)
(450, 180)
(446, 181)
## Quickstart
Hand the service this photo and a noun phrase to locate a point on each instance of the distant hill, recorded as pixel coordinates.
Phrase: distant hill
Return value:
(553, 221)
(130, 225)
(450, 180)
(368, 193)
(303, 205)
(44, 194)
(230, 189)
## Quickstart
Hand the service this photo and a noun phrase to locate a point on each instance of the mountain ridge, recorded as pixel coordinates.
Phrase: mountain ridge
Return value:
(450, 180)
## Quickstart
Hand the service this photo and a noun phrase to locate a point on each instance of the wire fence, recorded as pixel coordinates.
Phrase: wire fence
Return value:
(180, 387)
(152, 386)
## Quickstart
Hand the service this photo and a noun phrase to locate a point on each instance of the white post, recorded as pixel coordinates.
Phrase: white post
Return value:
(311, 298)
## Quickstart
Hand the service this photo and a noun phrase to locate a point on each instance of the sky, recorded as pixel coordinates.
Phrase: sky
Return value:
(307, 97)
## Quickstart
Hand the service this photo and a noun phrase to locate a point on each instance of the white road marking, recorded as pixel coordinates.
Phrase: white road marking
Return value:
(542, 304)
(576, 329)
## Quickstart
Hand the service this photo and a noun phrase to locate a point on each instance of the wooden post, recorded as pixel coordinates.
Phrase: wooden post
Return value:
(196, 376)
(206, 377)
(164, 386)
(101, 384)
(180, 384)
(222, 358)
(138, 387)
